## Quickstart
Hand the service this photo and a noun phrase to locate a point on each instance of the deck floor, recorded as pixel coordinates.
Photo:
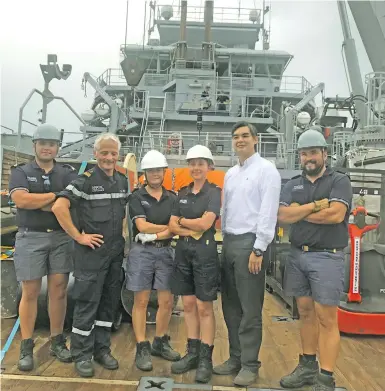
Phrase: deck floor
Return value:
(360, 364)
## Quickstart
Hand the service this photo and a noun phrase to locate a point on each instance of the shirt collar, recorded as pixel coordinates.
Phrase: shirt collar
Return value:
(104, 175)
(252, 159)
(36, 166)
(143, 191)
(327, 172)
(204, 188)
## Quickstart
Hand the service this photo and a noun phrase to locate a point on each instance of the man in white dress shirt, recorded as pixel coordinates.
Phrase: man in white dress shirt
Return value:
(250, 205)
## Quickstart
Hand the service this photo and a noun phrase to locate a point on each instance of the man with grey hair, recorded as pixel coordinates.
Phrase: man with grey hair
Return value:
(99, 196)
(250, 206)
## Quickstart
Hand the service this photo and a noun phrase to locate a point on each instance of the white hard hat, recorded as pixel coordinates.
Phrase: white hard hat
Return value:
(199, 152)
(153, 159)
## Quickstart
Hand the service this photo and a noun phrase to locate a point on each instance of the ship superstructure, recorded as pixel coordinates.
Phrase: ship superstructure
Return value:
(199, 77)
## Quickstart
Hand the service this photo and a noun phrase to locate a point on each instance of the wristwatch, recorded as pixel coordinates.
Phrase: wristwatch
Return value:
(257, 252)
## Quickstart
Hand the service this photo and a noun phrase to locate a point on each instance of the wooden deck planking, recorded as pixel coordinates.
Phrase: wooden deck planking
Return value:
(359, 366)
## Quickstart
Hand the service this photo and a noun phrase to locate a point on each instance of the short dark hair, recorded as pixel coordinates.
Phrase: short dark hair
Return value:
(241, 124)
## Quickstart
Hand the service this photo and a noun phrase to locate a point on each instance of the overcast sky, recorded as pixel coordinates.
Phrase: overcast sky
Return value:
(88, 34)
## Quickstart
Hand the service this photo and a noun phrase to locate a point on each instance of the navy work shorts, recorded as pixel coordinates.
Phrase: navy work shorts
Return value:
(319, 275)
(197, 269)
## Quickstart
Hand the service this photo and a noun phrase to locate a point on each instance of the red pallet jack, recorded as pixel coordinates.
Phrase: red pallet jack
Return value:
(360, 313)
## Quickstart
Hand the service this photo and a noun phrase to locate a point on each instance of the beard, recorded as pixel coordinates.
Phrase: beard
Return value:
(312, 171)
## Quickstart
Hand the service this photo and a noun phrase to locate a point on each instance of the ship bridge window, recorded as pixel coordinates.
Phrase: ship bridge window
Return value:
(275, 71)
(261, 70)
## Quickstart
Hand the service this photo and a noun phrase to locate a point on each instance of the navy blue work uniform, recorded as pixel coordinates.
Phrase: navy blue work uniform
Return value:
(150, 265)
(100, 201)
(315, 266)
(41, 247)
(197, 269)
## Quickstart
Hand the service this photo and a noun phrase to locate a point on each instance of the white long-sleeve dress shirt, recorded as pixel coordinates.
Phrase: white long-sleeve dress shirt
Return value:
(251, 200)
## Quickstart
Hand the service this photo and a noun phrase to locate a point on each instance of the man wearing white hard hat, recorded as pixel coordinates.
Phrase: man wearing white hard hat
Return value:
(151, 259)
(196, 274)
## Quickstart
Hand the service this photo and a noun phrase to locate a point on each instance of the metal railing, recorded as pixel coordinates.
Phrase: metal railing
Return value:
(237, 81)
(177, 143)
(220, 14)
(111, 77)
(219, 104)
(375, 82)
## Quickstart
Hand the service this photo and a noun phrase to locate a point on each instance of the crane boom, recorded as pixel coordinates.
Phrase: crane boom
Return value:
(369, 17)
(352, 63)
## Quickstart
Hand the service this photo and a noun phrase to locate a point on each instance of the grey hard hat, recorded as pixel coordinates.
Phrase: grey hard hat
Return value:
(46, 132)
(312, 138)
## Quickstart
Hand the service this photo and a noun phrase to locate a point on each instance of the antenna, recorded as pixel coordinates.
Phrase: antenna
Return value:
(125, 36)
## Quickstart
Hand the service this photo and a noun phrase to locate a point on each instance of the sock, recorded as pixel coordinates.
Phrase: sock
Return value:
(310, 357)
(325, 372)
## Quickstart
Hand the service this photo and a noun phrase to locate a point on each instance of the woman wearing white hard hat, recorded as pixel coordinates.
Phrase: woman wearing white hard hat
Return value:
(196, 273)
(151, 259)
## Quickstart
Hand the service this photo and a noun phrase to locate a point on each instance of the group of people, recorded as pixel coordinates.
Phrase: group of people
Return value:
(89, 211)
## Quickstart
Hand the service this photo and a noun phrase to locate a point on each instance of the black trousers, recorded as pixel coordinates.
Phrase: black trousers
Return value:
(96, 292)
(242, 300)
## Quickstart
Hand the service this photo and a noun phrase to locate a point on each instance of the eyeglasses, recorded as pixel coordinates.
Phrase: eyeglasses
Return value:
(47, 183)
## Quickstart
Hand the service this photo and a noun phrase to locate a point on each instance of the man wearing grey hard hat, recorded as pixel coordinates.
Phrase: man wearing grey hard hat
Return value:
(317, 205)
(42, 248)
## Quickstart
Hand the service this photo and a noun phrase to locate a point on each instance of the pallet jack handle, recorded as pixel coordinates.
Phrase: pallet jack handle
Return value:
(356, 232)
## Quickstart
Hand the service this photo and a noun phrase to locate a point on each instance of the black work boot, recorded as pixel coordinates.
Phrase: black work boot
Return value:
(305, 373)
(205, 364)
(323, 383)
(59, 348)
(84, 368)
(161, 348)
(26, 355)
(107, 360)
(190, 360)
(143, 356)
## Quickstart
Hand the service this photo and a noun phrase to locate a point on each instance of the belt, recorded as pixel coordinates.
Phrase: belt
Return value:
(192, 240)
(41, 229)
(159, 243)
(318, 250)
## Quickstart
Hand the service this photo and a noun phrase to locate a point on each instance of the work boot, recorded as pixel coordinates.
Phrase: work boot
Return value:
(205, 364)
(107, 360)
(245, 377)
(161, 348)
(59, 348)
(232, 365)
(84, 368)
(143, 356)
(190, 360)
(26, 355)
(323, 383)
(305, 373)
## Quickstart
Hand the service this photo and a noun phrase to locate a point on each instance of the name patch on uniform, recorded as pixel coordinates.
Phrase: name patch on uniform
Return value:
(183, 201)
(96, 189)
(298, 187)
(144, 203)
(31, 179)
